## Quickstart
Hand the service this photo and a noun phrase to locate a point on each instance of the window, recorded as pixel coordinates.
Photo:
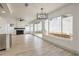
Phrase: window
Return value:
(31, 26)
(67, 25)
(46, 26)
(40, 26)
(27, 29)
(36, 27)
(55, 25)
(61, 26)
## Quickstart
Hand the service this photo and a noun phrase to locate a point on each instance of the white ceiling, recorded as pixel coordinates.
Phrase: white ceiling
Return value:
(28, 13)
(5, 8)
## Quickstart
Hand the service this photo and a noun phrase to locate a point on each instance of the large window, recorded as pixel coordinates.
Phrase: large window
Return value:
(46, 26)
(38, 27)
(67, 25)
(27, 29)
(31, 28)
(61, 26)
(55, 25)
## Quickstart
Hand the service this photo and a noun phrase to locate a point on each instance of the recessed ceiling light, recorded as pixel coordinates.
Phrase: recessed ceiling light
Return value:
(3, 11)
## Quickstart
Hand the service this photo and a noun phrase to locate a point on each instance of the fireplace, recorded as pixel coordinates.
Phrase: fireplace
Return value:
(19, 31)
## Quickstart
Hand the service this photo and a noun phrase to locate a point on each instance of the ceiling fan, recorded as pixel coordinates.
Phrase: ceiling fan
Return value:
(21, 19)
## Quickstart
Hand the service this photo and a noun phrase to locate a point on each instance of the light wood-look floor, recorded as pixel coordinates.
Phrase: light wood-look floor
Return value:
(29, 45)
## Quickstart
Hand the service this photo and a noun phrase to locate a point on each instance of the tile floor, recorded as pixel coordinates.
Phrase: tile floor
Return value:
(29, 45)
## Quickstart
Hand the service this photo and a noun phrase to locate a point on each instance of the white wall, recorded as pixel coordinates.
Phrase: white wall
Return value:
(69, 44)
(11, 29)
(21, 24)
(4, 25)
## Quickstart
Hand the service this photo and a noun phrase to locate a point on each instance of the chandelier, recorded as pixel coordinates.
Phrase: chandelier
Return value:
(42, 15)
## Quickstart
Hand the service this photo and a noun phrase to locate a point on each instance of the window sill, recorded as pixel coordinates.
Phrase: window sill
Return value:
(58, 37)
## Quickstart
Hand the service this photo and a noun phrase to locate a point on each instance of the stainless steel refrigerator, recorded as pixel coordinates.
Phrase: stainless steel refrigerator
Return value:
(2, 41)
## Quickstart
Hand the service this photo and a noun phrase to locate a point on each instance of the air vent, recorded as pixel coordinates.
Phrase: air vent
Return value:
(1, 5)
